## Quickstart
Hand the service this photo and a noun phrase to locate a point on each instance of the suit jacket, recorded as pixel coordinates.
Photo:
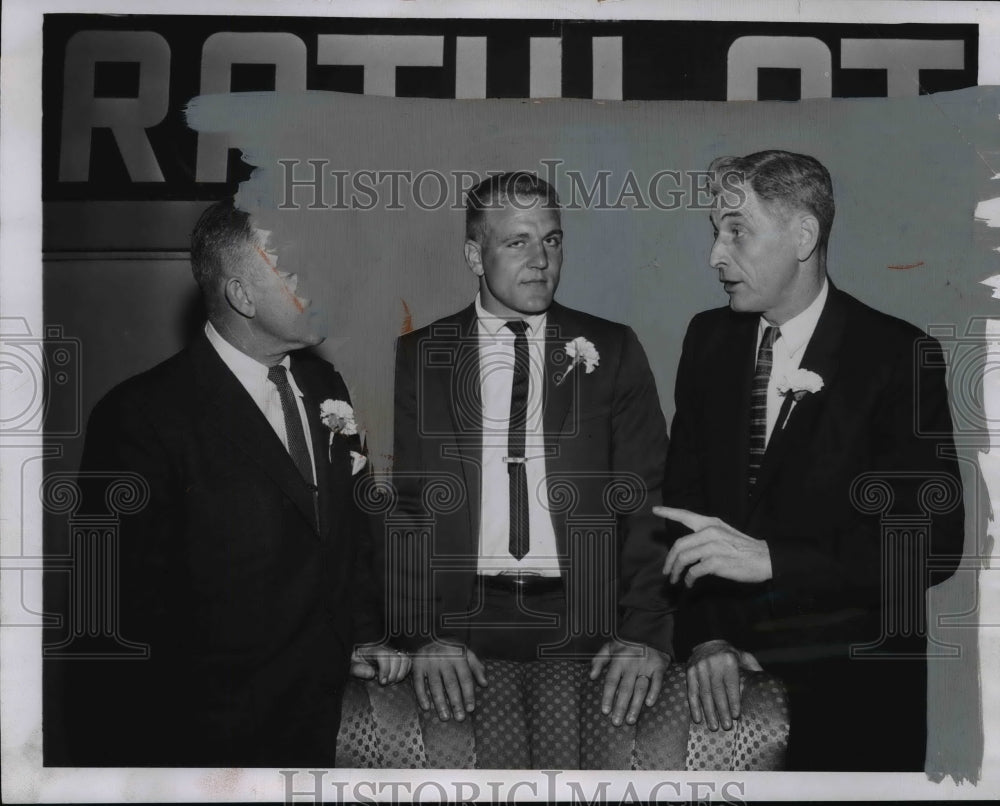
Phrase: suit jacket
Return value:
(605, 442)
(250, 606)
(874, 444)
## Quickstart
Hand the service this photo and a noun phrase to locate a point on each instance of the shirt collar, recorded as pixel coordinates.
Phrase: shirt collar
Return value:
(797, 331)
(248, 371)
(493, 324)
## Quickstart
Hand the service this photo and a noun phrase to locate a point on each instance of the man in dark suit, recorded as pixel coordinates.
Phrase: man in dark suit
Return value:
(812, 461)
(247, 572)
(545, 426)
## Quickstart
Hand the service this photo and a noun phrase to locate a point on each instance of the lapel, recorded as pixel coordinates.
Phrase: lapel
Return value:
(328, 468)
(458, 386)
(556, 397)
(234, 415)
(822, 357)
(728, 403)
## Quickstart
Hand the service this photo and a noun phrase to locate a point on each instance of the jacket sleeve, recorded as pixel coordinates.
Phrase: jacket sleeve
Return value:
(408, 552)
(105, 701)
(639, 447)
(685, 487)
(366, 594)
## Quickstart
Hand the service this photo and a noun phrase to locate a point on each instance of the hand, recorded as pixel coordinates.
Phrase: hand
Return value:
(381, 660)
(715, 548)
(635, 676)
(446, 673)
(713, 678)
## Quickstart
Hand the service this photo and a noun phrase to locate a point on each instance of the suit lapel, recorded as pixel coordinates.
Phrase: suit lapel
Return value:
(326, 477)
(237, 418)
(558, 393)
(461, 390)
(558, 386)
(821, 356)
(729, 406)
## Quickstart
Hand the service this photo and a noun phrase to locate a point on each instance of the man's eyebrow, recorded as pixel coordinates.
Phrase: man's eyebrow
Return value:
(732, 214)
(511, 236)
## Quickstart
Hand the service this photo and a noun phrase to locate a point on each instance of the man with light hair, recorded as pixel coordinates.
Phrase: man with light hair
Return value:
(549, 421)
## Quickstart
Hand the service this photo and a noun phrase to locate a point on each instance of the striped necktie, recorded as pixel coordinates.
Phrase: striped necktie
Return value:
(758, 403)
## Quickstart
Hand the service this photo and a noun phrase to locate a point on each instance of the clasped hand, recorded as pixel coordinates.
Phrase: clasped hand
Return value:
(634, 677)
(446, 675)
(713, 682)
(713, 548)
(379, 660)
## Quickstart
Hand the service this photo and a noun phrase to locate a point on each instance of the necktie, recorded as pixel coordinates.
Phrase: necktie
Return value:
(518, 479)
(293, 423)
(758, 402)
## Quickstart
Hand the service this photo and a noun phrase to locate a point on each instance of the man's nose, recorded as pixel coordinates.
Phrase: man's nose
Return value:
(717, 257)
(539, 257)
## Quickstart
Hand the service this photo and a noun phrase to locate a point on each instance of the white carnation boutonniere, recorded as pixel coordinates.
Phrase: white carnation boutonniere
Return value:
(799, 384)
(338, 416)
(795, 386)
(580, 351)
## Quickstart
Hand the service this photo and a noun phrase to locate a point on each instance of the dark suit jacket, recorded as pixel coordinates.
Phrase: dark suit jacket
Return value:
(605, 442)
(249, 606)
(874, 444)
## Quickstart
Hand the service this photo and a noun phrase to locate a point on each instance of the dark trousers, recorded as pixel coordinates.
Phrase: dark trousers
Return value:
(856, 715)
(515, 625)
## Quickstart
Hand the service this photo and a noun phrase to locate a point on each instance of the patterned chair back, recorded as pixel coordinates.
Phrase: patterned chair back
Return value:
(382, 727)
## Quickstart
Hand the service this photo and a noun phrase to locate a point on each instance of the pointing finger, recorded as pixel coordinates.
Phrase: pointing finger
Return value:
(692, 520)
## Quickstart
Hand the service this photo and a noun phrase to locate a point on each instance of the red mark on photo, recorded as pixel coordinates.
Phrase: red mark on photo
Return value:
(407, 319)
(904, 266)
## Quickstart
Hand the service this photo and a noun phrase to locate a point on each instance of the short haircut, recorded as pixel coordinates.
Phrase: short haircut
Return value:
(495, 191)
(218, 245)
(791, 181)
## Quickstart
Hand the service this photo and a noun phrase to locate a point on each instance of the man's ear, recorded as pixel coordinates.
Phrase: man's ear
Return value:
(474, 257)
(808, 236)
(239, 297)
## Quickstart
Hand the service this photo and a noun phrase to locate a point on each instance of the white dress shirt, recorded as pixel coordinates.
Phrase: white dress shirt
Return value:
(496, 374)
(252, 376)
(788, 351)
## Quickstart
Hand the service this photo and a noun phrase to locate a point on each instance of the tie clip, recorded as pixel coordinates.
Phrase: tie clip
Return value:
(515, 459)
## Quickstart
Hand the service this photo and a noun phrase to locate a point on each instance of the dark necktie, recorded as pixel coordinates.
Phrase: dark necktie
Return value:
(518, 479)
(293, 423)
(758, 402)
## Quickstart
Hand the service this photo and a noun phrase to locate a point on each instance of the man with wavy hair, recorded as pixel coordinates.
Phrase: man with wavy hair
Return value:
(792, 401)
